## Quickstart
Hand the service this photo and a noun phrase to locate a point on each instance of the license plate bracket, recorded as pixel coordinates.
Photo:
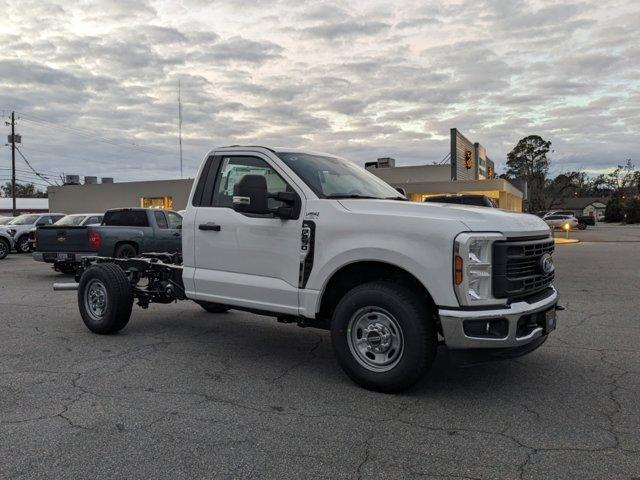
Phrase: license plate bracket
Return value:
(65, 256)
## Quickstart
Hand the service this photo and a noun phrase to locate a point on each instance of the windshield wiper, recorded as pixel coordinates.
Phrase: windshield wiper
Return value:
(352, 196)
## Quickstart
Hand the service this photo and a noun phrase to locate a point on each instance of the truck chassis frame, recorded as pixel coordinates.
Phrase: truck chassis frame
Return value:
(154, 277)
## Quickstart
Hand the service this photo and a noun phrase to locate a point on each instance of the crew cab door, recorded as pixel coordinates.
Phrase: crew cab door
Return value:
(246, 259)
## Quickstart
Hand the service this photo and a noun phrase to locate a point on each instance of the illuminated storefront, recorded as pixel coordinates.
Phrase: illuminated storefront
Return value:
(165, 203)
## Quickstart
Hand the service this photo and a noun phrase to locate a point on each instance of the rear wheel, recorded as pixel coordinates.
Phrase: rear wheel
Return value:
(582, 226)
(125, 250)
(105, 298)
(383, 336)
(5, 248)
(212, 307)
(22, 244)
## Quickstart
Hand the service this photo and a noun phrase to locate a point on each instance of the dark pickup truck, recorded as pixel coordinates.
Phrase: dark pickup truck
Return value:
(124, 233)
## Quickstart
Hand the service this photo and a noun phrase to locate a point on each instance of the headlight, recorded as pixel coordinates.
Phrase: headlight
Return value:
(472, 268)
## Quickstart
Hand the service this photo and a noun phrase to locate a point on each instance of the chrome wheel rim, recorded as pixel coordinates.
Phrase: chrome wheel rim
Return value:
(95, 299)
(375, 339)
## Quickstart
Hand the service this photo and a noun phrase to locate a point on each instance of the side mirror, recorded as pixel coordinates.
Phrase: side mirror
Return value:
(250, 195)
(179, 227)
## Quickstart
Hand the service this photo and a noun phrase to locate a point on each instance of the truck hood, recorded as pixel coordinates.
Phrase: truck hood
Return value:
(481, 219)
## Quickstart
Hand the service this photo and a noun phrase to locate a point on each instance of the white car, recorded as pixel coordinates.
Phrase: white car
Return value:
(560, 221)
(19, 227)
(314, 239)
(6, 243)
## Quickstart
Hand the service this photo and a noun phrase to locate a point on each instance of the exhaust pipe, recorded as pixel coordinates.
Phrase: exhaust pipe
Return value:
(61, 287)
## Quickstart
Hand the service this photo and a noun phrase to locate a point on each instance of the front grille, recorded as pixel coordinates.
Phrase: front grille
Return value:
(517, 270)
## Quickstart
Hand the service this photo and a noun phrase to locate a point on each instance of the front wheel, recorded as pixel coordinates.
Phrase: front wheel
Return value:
(105, 298)
(22, 244)
(125, 250)
(5, 248)
(66, 268)
(384, 336)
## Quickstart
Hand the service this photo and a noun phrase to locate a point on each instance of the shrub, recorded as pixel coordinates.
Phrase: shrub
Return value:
(632, 210)
(614, 211)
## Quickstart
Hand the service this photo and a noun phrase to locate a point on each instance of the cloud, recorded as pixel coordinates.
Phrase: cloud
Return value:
(345, 29)
(361, 79)
(238, 49)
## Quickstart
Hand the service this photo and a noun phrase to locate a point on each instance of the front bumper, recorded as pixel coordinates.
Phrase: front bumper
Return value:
(52, 257)
(452, 322)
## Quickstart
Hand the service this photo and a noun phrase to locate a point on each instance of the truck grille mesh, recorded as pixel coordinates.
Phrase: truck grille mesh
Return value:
(517, 268)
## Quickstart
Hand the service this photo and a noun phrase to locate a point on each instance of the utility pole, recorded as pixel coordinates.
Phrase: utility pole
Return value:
(180, 126)
(13, 160)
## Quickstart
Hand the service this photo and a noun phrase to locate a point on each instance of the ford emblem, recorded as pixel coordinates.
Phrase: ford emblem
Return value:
(546, 264)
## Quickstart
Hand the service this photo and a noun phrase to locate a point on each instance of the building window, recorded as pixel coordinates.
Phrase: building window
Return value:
(165, 203)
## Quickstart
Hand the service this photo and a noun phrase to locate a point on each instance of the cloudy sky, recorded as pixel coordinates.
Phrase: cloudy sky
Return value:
(95, 82)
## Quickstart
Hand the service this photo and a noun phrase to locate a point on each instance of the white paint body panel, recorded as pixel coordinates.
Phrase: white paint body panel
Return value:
(254, 262)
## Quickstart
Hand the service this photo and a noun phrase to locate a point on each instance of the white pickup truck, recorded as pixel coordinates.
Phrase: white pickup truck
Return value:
(314, 239)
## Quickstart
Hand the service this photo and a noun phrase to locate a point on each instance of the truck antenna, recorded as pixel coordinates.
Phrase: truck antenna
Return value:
(180, 125)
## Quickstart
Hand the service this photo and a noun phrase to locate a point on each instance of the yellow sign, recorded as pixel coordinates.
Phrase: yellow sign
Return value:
(467, 159)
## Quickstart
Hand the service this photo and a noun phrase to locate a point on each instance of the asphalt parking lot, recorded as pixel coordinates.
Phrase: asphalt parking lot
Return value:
(181, 393)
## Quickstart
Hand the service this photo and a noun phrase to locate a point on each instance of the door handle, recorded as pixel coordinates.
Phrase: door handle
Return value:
(210, 226)
(177, 234)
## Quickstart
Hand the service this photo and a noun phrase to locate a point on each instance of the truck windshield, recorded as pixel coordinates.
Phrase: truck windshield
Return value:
(70, 220)
(25, 220)
(333, 177)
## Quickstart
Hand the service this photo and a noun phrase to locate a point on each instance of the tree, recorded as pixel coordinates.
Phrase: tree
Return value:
(624, 181)
(23, 190)
(528, 161)
(632, 210)
(614, 211)
(560, 187)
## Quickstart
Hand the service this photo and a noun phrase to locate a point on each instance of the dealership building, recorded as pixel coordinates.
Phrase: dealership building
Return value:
(469, 171)
(465, 169)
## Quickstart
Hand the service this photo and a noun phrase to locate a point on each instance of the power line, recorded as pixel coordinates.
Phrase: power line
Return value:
(33, 169)
(25, 172)
(44, 174)
(87, 133)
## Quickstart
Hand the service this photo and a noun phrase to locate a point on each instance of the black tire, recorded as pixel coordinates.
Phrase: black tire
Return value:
(109, 282)
(22, 244)
(403, 311)
(5, 248)
(212, 307)
(66, 268)
(582, 226)
(125, 250)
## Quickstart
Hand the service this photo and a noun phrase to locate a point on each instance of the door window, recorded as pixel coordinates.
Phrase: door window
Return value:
(233, 169)
(160, 219)
(175, 220)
